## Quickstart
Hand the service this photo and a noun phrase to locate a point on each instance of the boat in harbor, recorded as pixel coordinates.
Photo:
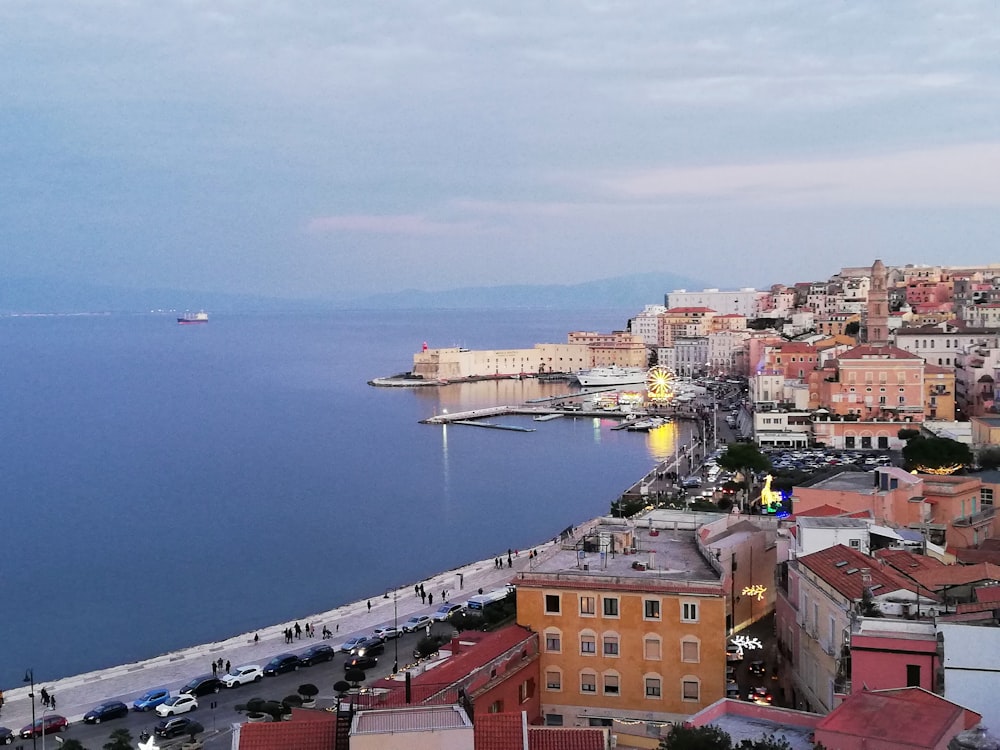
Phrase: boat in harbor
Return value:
(546, 417)
(189, 318)
(613, 375)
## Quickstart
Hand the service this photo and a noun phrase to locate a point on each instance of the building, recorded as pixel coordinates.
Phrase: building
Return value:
(888, 720)
(646, 324)
(632, 618)
(619, 348)
(413, 728)
(877, 312)
(745, 301)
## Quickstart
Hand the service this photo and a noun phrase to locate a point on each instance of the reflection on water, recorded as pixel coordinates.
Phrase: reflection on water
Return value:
(445, 474)
(597, 430)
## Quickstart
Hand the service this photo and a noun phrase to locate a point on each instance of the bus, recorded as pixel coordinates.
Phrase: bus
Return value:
(478, 603)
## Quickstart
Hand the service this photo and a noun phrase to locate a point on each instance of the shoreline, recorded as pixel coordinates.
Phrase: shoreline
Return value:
(78, 693)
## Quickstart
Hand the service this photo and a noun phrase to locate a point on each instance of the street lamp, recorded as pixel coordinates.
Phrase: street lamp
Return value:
(29, 677)
(395, 640)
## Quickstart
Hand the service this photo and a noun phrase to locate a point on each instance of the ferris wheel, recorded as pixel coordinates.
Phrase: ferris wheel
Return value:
(659, 383)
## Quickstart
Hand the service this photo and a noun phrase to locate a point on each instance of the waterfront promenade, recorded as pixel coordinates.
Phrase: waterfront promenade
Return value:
(78, 694)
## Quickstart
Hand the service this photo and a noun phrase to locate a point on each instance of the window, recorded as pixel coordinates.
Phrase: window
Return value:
(553, 641)
(689, 612)
(496, 707)
(912, 675)
(652, 687)
(651, 648)
(588, 643)
(588, 682)
(690, 689)
(611, 645)
(610, 607)
(587, 605)
(553, 680)
(986, 496)
(855, 543)
(611, 683)
(553, 720)
(552, 604)
(651, 609)
(690, 650)
(525, 690)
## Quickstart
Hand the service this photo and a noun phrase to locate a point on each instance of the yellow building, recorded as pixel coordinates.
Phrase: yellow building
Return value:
(632, 621)
(939, 393)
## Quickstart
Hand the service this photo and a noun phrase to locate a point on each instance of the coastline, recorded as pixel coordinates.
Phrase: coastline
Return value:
(79, 693)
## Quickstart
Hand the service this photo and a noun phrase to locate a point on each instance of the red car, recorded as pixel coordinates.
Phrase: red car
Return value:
(46, 725)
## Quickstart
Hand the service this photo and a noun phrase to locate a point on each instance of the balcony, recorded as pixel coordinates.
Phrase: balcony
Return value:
(981, 518)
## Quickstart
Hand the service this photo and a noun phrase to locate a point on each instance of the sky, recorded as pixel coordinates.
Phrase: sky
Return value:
(312, 148)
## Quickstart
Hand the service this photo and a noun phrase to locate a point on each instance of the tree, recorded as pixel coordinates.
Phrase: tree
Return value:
(121, 739)
(936, 455)
(72, 744)
(770, 742)
(745, 458)
(907, 433)
(989, 458)
(696, 738)
(852, 328)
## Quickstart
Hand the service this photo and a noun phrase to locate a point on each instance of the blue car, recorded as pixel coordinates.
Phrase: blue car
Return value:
(151, 699)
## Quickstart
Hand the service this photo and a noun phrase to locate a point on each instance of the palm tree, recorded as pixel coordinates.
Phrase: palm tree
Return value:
(121, 739)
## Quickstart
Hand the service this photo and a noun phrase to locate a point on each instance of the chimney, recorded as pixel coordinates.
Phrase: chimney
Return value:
(455, 644)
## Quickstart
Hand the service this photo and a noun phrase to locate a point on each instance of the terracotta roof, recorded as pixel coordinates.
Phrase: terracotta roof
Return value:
(485, 647)
(570, 738)
(930, 369)
(927, 698)
(957, 575)
(842, 567)
(886, 352)
(888, 716)
(906, 562)
(792, 347)
(731, 315)
(970, 555)
(505, 732)
(307, 730)
(987, 593)
(686, 310)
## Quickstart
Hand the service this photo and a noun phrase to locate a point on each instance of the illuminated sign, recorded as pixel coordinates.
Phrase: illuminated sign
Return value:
(755, 590)
(745, 643)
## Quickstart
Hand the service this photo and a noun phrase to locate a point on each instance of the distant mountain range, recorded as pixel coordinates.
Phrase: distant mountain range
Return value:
(32, 295)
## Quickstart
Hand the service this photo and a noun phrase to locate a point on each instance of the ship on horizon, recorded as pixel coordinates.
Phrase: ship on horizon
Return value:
(190, 318)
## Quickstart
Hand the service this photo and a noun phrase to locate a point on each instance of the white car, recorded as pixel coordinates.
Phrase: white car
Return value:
(416, 623)
(179, 704)
(351, 643)
(386, 633)
(242, 675)
(445, 611)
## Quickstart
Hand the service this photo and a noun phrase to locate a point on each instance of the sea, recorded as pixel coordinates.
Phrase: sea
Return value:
(163, 485)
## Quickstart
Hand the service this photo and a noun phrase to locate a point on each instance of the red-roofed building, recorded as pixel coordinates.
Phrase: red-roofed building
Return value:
(887, 720)
(307, 730)
(511, 731)
(819, 597)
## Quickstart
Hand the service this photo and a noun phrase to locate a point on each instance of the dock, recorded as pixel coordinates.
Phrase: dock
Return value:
(494, 426)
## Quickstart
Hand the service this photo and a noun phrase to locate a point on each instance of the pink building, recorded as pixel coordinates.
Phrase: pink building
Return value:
(906, 719)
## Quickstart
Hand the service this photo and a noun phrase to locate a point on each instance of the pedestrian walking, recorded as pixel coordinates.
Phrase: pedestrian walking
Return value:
(369, 605)
(52, 701)
(422, 591)
(215, 669)
(298, 631)
(256, 639)
(228, 666)
(416, 589)
(45, 696)
(338, 627)
(430, 598)
(220, 662)
(423, 596)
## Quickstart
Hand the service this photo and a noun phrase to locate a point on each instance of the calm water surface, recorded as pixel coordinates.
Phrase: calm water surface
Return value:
(167, 485)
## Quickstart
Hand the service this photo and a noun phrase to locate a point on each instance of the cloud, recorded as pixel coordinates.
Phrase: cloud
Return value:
(966, 174)
(414, 225)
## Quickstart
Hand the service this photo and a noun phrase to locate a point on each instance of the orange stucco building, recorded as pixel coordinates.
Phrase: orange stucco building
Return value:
(632, 622)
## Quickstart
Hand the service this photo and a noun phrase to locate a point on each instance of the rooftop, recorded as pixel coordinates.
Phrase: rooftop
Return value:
(414, 719)
(663, 558)
(831, 522)
(748, 721)
(849, 572)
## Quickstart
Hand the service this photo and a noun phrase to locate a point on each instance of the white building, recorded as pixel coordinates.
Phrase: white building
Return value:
(971, 666)
(817, 533)
(646, 323)
(742, 302)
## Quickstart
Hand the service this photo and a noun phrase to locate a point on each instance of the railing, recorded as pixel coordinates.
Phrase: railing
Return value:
(976, 519)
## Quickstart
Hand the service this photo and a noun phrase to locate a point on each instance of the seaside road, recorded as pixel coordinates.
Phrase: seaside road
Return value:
(78, 694)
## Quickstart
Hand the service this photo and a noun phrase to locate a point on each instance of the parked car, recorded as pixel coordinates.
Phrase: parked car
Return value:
(734, 653)
(361, 662)
(282, 663)
(416, 623)
(386, 632)
(46, 725)
(242, 675)
(757, 668)
(691, 481)
(350, 643)
(370, 646)
(105, 711)
(316, 654)
(151, 699)
(445, 611)
(177, 726)
(179, 704)
(6, 736)
(202, 685)
(732, 689)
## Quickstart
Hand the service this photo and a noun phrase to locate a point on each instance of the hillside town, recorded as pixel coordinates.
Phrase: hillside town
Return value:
(866, 612)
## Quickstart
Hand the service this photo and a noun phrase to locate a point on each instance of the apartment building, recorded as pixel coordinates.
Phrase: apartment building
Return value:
(632, 622)
(745, 301)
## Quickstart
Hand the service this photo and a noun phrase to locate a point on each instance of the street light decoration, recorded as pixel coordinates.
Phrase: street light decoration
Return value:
(659, 384)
